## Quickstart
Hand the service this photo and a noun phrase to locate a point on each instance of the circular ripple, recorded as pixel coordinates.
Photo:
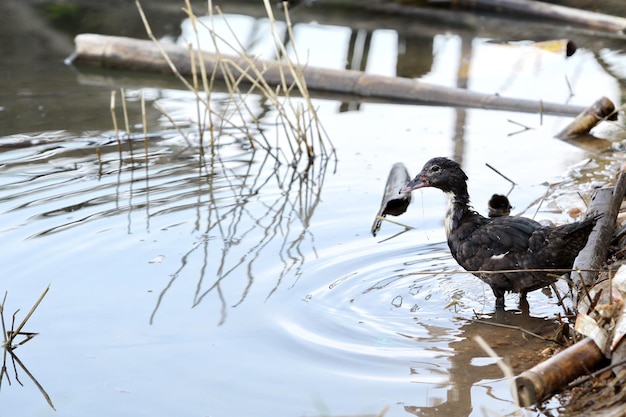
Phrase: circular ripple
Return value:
(380, 303)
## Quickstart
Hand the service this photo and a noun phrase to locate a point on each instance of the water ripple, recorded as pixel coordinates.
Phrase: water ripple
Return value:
(377, 309)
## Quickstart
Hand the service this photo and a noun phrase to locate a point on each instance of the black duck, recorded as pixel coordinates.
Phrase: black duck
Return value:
(506, 243)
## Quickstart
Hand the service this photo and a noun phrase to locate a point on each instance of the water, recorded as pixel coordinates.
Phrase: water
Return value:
(224, 284)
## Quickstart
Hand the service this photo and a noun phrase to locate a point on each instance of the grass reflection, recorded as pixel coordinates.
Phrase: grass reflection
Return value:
(294, 151)
(243, 231)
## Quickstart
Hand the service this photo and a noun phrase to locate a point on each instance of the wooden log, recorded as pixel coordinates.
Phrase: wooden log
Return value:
(143, 55)
(554, 373)
(607, 201)
(586, 18)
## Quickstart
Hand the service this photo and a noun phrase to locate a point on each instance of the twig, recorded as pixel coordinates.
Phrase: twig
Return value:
(508, 326)
(524, 128)
(394, 222)
(504, 271)
(501, 174)
(586, 378)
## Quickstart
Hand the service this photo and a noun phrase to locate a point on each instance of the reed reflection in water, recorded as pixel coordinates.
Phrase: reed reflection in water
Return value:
(240, 230)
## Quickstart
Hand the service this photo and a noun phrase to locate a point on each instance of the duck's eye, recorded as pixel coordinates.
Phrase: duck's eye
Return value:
(435, 168)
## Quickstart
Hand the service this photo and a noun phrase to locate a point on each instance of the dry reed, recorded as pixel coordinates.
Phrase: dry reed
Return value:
(10, 344)
(300, 136)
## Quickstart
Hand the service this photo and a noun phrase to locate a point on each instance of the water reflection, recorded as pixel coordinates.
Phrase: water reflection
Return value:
(470, 367)
(241, 230)
(385, 307)
(233, 229)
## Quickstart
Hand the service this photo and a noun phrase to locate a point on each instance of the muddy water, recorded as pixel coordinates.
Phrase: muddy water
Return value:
(190, 283)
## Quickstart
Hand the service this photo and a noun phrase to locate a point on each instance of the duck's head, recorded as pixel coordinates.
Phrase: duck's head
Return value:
(442, 173)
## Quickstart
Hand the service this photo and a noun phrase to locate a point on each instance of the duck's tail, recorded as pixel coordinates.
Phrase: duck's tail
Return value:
(575, 235)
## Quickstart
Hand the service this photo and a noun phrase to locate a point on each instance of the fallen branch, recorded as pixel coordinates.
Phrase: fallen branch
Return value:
(594, 254)
(143, 55)
(552, 11)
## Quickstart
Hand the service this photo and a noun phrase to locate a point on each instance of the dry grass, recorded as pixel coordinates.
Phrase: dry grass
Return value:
(11, 343)
(299, 135)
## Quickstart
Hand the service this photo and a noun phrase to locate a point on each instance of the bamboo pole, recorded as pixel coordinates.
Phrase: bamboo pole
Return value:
(142, 55)
(602, 109)
(557, 371)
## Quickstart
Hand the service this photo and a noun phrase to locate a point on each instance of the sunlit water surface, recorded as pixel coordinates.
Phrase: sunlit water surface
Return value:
(223, 284)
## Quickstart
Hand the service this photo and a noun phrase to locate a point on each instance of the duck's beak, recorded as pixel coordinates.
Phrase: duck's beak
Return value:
(419, 181)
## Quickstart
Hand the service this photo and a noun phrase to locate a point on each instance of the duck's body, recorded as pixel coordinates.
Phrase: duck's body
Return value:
(495, 249)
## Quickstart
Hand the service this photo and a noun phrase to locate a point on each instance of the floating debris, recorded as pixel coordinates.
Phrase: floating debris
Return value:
(394, 202)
